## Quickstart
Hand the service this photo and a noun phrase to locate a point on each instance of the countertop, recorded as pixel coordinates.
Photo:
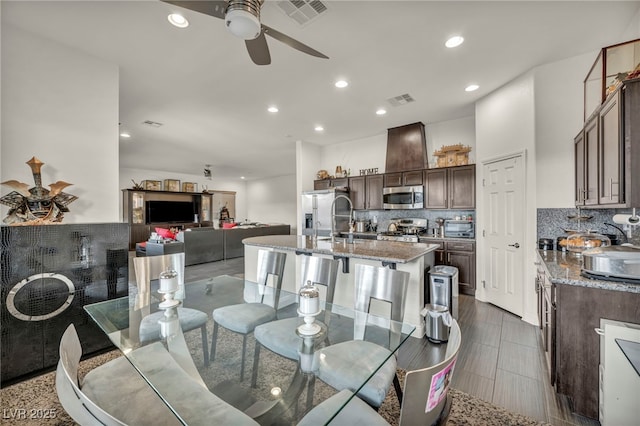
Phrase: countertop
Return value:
(384, 251)
(564, 268)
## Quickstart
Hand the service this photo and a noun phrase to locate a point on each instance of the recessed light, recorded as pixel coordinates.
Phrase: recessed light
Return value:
(454, 41)
(241, 177)
(272, 109)
(341, 84)
(381, 111)
(178, 20)
(319, 128)
(471, 88)
(125, 135)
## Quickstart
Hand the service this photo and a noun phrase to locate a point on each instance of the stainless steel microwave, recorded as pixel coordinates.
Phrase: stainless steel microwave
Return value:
(403, 197)
(459, 228)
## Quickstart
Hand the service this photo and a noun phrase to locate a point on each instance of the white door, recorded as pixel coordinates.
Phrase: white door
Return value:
(503, 192)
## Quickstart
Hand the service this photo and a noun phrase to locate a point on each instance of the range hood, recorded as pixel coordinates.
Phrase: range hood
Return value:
(406, 148)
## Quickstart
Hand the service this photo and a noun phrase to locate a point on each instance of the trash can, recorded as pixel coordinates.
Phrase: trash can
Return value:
(443, 288)
(437, 323)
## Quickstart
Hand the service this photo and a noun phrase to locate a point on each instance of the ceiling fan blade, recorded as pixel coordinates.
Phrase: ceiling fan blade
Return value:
(292, 42)
(215, 8)
(258, 50)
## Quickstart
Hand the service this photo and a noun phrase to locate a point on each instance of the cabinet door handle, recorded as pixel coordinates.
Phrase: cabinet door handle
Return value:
(448, 257)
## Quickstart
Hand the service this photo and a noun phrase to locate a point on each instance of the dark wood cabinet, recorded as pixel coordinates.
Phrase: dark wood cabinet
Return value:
(330, 183)
(607, 152)
(374, 184)
(366, 192)
(578, 313)
(410, 178)
(462, 255)
(406, 148)
(450, 187)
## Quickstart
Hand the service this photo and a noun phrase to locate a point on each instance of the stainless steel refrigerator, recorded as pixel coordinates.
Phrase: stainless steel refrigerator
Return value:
(317, 209)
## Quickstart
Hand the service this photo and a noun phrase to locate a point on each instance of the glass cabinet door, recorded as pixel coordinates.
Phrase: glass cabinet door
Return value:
(137, 208)
(206, 208)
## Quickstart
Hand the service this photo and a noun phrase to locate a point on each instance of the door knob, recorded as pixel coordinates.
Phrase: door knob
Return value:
(516, 245)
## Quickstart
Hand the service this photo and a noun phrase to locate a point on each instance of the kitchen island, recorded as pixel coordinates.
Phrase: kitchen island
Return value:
(577, 304)
(413, 258)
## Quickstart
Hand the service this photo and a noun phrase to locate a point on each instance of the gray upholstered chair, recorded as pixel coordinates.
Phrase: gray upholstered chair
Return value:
(150, 267)
(115, 393)
(280, 336)
(244, 317)
(418, 407)
(345, 365)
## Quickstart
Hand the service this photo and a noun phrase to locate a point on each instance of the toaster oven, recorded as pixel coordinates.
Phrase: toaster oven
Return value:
(459, 228)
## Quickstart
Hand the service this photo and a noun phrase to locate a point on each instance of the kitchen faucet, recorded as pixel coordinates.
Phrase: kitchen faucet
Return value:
(333, 215)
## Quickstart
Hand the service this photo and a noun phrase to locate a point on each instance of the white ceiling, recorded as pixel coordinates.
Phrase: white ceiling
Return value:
(212, 100)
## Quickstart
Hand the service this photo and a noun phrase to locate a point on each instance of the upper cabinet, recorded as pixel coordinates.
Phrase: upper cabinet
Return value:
(410, 178)
(450, 187)
(366, 192)
(330, 183)
(607, 151)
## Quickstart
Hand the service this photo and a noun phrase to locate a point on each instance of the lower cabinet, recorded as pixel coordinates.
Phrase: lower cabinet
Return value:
(462, 255)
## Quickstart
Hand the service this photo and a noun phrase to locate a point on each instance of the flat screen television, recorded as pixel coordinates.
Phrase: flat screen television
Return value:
(170, 211)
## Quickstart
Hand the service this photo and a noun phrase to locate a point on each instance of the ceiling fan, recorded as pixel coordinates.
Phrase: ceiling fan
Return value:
(242, 18)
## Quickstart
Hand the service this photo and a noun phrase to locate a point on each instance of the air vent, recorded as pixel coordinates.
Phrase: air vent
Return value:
(302, 11)
(152, 123)
(401, 100)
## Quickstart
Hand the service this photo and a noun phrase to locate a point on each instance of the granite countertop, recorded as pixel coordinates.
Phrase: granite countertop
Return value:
(384, 251)
(565, 268)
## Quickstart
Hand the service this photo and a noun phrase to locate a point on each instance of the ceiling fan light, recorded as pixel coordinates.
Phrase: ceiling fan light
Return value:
(243, 24)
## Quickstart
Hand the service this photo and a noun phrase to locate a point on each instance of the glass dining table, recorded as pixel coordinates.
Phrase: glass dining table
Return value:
(285, 388)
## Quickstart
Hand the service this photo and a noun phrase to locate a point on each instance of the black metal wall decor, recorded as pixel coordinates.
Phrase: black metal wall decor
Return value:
(36, 205)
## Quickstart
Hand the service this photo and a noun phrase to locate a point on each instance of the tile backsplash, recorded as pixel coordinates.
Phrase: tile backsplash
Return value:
(384, 217)
(552, 223)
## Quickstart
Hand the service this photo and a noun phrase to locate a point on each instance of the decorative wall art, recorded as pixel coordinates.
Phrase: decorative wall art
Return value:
(36, 205)
(172, 185)
(152, 185)
(189, 187)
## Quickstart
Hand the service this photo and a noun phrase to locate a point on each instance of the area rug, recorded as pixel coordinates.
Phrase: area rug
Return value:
(38, 395)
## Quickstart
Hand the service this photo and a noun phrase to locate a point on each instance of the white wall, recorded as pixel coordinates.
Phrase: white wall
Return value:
(632, 31)
(273, 200)
(216, 183)
(61, 106)
(559, 117)
(505, 124)
(451, 132)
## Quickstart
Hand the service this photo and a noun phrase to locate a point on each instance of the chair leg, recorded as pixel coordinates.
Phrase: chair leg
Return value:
(256, 361)
(205, 345)
(311, 386)
(398, 388)
(212, 355)
(244, 350)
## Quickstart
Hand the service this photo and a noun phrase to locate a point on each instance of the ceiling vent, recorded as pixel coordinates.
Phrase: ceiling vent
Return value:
(302, 11)
(152, 123)
(401, 100)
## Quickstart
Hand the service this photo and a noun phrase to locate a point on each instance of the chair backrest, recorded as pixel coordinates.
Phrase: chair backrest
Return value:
(425, 391)
(149, 268)
(270, 263)
(380, 283)
(73, 400)
(321, 271)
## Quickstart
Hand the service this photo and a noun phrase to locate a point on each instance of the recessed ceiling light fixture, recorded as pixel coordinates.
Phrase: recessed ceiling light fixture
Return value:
(178, 20)
(454, 41)
(319, 128)
(341, 84)
(381, 111)
(471, 88)
(125, 135)
(272, 108)
(242, 177)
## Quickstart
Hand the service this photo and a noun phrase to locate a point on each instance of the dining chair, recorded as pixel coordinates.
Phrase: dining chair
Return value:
(150, 267)
(244, 317)
(418, 407)
(346, 365)
(115, 393)
(280, 336)
(129, 403)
